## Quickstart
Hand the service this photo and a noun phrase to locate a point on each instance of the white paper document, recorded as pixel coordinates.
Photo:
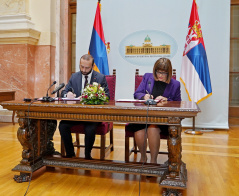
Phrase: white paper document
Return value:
(133, 100)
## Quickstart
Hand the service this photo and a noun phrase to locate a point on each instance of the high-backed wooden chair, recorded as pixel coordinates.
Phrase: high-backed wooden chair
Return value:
(102, 129)
(129, 134)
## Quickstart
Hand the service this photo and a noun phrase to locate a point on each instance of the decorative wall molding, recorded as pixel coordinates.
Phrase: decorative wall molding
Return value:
(19, 21)
(6, 115)
(19, 36)
(18, 29)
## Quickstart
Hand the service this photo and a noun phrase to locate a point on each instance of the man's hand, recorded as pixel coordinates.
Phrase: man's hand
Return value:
(70, 95)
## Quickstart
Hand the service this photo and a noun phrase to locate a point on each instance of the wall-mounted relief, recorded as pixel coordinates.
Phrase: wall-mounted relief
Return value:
(146, 46)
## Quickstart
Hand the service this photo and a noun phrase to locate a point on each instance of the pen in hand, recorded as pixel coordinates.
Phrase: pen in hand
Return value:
(149, 94)
(72, 90)
(71, 93)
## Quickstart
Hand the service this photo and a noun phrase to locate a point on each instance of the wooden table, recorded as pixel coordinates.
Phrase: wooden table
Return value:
(40, 128)
(8, 96)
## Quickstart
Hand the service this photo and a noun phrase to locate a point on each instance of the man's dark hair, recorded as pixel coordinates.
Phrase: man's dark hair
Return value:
(88, 57)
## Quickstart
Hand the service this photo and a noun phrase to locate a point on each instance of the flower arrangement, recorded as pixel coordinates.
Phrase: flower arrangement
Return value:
(94, 94)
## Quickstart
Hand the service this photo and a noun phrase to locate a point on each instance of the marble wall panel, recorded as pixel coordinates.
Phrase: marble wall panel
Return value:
(42, 70)
(31, 50)
(53, 65)
(27, 69)
(13, 69)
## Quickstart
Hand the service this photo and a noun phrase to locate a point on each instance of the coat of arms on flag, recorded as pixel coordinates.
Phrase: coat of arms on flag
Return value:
(195, 72)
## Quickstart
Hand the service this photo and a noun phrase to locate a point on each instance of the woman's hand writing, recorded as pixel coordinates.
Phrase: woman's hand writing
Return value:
(148, 96)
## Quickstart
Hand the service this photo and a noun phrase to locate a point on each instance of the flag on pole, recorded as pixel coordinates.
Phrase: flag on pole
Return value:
(97, 45)
(194, 71)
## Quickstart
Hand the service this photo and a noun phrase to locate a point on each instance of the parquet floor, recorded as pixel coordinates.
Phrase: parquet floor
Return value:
(212, 162)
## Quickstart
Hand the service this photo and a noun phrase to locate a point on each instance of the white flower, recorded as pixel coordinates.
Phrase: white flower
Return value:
(95, 84)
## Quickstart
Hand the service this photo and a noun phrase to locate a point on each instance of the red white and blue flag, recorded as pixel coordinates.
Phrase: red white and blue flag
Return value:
(194, 71)
(97, 45)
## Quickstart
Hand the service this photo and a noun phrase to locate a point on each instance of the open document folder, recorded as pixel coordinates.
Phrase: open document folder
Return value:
(133, 100)
(65, 99)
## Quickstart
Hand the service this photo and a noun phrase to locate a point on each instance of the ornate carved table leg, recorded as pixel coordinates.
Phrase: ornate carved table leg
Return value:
(23, 177)
(176, 177)
(27, 136)
(35, 137)
(48, 128)
(171, 192)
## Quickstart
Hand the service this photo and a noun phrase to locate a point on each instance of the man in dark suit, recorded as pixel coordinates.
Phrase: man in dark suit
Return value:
(74, 89)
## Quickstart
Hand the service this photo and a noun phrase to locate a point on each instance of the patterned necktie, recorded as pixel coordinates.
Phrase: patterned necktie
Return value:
(86, 81)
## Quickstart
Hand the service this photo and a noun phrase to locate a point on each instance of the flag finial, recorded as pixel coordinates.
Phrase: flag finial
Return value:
(99, 4)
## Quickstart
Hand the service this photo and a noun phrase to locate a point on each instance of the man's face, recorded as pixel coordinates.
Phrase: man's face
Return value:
(85, 66)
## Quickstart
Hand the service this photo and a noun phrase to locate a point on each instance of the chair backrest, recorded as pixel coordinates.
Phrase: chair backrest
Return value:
(139, 78)
(111, 80)
(174, 74)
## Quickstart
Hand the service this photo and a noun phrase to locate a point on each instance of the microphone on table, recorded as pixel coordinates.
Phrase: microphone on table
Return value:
(58, 88)
(47, 98)
(150, 101)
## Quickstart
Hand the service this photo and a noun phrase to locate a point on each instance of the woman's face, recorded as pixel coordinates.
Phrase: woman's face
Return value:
(161, 75)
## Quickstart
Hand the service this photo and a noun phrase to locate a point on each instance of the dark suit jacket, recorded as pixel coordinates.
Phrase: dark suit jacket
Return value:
(172, 90)
(75, 82)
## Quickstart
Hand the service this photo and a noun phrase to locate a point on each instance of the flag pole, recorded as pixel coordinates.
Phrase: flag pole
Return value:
(197, 131)
(193, 131)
